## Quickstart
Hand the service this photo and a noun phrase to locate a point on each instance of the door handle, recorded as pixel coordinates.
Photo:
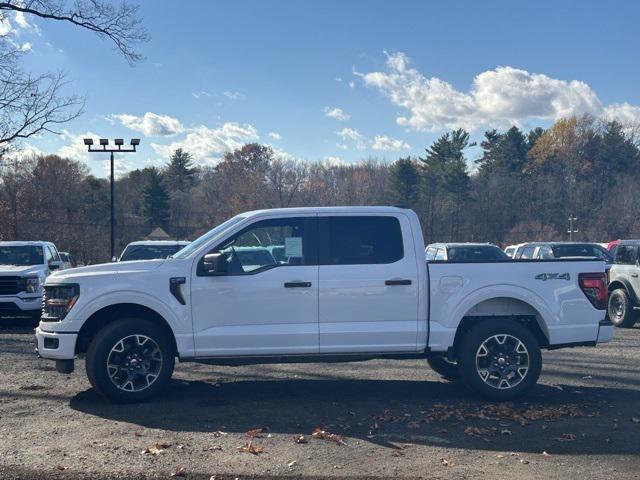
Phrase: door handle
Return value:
(397, 282)
(634, 275)
(297, 284)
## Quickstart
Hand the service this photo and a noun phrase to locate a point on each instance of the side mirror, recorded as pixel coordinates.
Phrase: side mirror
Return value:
(55, 265)
(214, 264)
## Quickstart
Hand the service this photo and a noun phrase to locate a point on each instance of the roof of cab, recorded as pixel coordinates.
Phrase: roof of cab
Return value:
(160, 242)
(310, 210)
(37, 243)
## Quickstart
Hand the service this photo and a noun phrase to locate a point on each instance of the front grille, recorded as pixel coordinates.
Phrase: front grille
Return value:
(9, 310)
(12, 285)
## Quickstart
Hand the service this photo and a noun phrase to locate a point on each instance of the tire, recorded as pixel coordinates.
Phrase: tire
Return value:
(619, 309)
(500, 359)
(142, 359)
(446, 369)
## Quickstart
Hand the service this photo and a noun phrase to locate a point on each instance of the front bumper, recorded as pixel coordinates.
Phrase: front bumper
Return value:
(56, 345)
(19, 307)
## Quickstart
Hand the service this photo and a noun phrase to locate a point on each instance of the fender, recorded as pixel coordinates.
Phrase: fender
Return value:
(630, 291)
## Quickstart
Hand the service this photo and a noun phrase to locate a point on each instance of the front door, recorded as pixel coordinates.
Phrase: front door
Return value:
(267, 301)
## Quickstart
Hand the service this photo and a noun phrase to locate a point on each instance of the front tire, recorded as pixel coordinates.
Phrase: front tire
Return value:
(445, 368)
(500, 359)
(130, 360)
(619, 309)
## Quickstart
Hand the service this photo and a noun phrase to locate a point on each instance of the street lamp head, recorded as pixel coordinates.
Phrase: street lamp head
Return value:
(135, 142)
(88, 142)
(119, 142)
(104, 142)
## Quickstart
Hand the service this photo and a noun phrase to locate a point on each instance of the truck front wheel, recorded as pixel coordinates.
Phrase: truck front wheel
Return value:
(500, 359)
(130, 360)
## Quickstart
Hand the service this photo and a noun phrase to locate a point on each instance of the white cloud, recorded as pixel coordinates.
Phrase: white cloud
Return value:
(333, 161)
(5, 26)
(623, 112)
(75, 148)
(275, 136)
(235, 95)
(21, 20)
(25, 47)
(336, 113)
(383, 142)
(198, 95)
(352, 84)
(351, 135)
(499, 97)
(208, 144)
(151, 124)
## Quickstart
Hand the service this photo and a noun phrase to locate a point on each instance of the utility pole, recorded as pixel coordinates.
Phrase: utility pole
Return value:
(118, 142)
(571, 231)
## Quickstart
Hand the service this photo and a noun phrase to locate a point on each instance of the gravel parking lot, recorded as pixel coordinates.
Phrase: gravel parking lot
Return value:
(388, 419)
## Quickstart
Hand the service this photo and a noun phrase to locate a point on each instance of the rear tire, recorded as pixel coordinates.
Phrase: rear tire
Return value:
(130, 360)
(619, 308)
(500, 359)
(445, 368)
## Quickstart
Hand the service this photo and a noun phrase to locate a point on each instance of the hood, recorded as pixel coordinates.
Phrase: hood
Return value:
(22, 270)
(114, 268)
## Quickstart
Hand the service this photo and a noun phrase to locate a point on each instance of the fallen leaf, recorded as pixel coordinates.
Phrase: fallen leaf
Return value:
(156, 449)
(324, 435)
(635, 420)
(480, 432)
(300, 439)
(180, 471)
(250, 448)
(524, 462)
(137, 434)
(61, 467)
(413, 424)
(566, 437)
(254, 432)
(220, 433)
(545, 454)
(504, 431)
(446, 463)
(291, 464)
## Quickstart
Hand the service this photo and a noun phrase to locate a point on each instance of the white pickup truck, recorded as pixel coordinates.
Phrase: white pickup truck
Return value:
(319, 285)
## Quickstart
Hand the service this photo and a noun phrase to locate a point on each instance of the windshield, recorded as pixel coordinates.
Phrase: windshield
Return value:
(581, 250)
(479, 253)
(210, 235)
(148, 252)
(22, 255)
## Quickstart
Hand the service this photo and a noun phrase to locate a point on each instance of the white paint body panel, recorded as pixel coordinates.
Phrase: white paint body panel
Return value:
(348, 308)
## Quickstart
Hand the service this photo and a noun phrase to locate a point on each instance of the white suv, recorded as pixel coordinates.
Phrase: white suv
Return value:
(24, 266)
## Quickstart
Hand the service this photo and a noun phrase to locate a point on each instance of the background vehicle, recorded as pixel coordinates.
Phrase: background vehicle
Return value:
(624, 285)
(151, 249)
(24, 266)
(510, 250)
(67, 260)
(550, 250)
(464, 252)
(353, 285)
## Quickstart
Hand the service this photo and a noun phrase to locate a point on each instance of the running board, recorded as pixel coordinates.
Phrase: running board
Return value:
(305, 358)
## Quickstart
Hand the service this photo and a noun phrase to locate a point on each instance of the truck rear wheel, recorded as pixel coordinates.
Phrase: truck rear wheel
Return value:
(444, 367)
(500, 359)
(130, 360)
(619, 309)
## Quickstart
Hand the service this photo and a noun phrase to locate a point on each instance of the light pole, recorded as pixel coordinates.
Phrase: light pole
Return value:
(118, 142)
(571, 231)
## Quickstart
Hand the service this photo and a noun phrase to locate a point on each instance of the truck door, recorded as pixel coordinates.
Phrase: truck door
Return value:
(368, 284)
(266, 303)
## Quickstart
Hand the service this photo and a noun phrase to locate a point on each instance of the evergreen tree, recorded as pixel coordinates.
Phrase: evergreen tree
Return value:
(180, 173)
(404, 182)
(155, 200)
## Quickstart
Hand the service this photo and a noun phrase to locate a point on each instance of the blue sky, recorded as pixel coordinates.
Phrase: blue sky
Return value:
(340, 80)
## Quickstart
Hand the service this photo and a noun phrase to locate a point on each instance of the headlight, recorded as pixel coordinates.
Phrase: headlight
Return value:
(58, 300)
(32, 284)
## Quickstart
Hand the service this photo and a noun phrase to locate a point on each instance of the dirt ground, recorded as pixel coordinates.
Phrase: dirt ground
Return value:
(389, 419)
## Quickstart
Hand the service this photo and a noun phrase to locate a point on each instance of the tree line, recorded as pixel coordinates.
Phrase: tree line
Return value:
(513, 186)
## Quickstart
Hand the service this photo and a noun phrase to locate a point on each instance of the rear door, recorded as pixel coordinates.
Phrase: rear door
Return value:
(368, 284)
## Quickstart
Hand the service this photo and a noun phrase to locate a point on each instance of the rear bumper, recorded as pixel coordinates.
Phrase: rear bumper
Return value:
(56, 345)
(605, 331)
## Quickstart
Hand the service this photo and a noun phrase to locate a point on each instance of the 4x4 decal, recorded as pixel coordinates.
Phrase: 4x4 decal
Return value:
(553, 276)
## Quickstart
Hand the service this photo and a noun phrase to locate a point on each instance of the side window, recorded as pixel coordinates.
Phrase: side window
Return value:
(361, 240)
(56, 255)
(431, 253)
(626, 255)
(545, 253)
(271, 243)
(48, 256)
(527, 253)
(442, 254)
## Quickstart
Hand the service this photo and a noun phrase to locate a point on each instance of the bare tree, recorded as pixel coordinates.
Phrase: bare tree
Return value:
(34, 103)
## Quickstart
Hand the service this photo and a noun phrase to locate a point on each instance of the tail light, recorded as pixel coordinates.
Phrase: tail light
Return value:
(594, 286)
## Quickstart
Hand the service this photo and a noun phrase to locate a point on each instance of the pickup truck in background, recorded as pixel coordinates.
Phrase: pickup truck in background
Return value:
(624, 284)
(319, 285)
(24, 266)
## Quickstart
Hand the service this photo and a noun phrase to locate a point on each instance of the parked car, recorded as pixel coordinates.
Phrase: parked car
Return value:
(624, 285)
(551, 250)
(67, 260)
(151, 249)
(464, 252)
(510, 250)
(24, 266)
(354, 286)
